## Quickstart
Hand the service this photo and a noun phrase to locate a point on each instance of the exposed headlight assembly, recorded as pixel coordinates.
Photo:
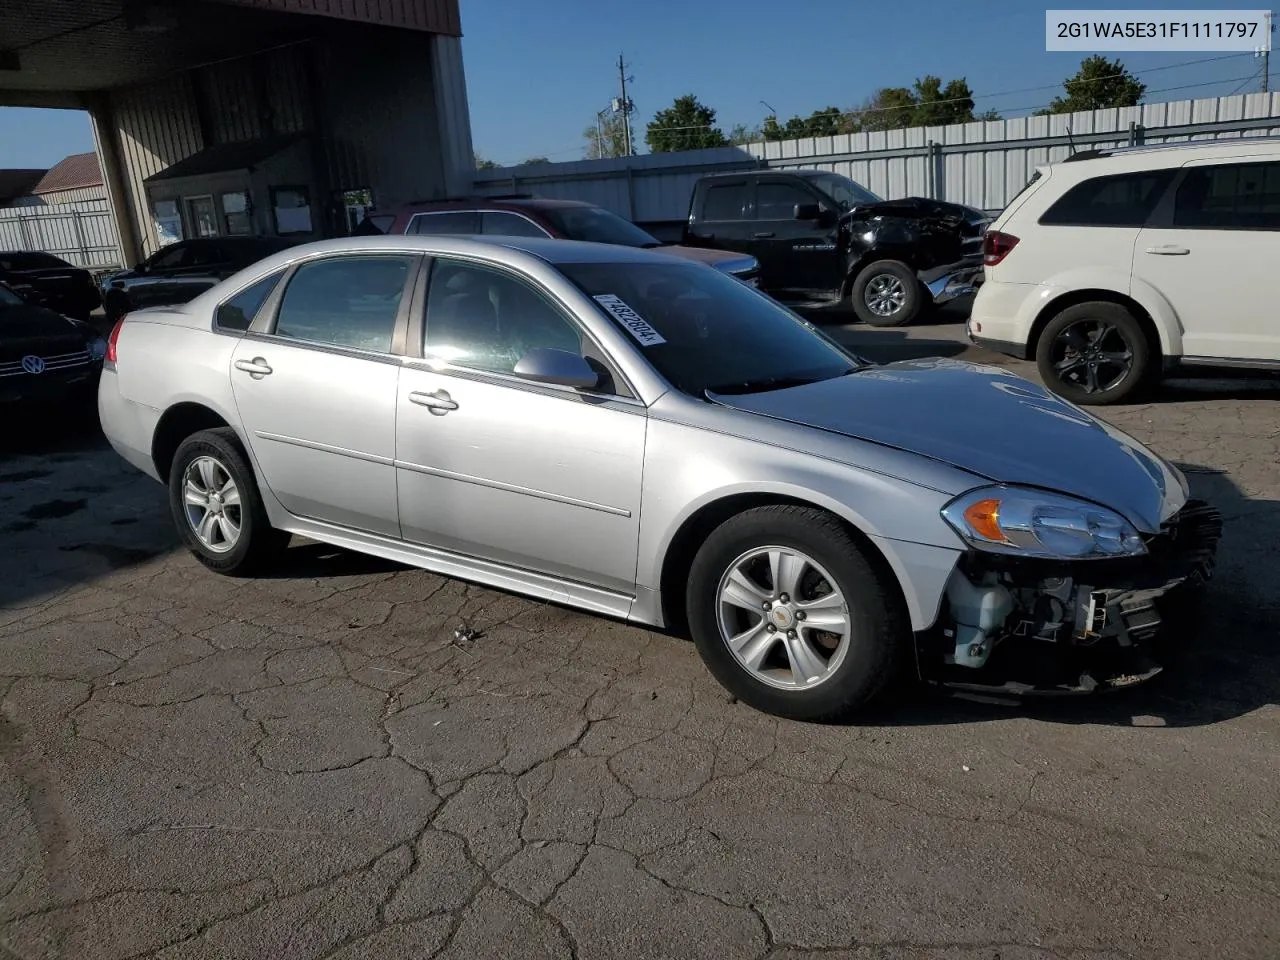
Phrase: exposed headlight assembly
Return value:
(1033, 523)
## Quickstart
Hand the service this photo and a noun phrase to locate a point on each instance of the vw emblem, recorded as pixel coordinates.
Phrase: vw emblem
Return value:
(33, 364)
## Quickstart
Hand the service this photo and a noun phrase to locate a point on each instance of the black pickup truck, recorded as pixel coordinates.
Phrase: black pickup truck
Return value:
(824, 240)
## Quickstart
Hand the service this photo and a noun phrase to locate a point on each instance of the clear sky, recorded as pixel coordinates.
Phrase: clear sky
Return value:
(538, 70)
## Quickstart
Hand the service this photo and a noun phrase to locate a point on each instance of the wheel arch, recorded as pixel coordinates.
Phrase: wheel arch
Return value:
(177, 423)
(1156, 333)
(864, 259)
(677, 559)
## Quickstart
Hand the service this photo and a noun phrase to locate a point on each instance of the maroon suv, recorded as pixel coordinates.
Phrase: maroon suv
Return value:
(535, 217)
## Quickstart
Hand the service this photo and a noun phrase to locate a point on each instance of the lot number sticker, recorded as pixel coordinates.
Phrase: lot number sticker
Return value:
(631, 321)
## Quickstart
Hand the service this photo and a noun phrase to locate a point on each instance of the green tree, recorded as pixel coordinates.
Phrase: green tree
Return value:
(889, 108)
(821, 123)
(484, 164)
(609, 139)
(685, 125)
(529, 160)
(937, 105)
(741, 134)
(1098, 84)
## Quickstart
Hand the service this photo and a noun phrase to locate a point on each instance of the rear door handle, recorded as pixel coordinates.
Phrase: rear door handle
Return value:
(439, 403)
(764, 235)
(1169, 250)
(256, 368)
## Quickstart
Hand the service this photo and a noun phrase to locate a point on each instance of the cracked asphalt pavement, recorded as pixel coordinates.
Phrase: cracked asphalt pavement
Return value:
(313, 764)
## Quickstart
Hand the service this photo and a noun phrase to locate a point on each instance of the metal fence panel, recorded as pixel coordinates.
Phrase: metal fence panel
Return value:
(85, 239)
(983, 164)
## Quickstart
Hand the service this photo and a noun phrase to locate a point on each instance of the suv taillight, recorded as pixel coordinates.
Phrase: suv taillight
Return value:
(112, 339)
(996, 246)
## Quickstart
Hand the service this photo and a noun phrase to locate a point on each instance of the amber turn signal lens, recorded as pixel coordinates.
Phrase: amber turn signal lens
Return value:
(984, 518)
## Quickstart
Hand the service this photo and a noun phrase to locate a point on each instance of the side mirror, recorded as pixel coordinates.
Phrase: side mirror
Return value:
(544, 365)
(807, 211)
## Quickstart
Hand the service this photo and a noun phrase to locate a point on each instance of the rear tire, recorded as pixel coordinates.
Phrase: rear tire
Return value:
(1095, 353)
(810, 570)
(887, 293)
(217, 507)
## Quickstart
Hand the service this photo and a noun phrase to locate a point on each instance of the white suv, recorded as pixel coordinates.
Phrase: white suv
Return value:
(1114, 267)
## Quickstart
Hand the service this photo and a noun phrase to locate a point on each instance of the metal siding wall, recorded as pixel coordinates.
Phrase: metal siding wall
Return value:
(434, 16)
(157, 127)
(381, 126)
(983, 164)
(287, 89)
(230, 100)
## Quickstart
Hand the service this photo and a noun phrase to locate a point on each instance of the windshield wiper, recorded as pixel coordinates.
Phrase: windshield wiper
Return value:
(762, 385)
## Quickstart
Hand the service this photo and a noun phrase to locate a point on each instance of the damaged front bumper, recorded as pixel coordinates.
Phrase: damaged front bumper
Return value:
(953, 280)
(1033, 627)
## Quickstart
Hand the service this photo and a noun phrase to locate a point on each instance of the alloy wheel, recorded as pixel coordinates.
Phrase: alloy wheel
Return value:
(1092, 356)
(783, 618)
(212, 504)
(885, 294)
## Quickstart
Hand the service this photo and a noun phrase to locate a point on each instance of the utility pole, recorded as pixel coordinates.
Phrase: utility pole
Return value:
(1266, 56)
(625, 104)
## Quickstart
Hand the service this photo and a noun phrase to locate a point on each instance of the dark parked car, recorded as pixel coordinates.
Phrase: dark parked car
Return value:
(43, 278)
(183, 270)
(46, 359)
(823, 239)
(522, 216)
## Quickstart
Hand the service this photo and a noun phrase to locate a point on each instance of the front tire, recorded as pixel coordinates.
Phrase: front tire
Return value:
(887, 293)
(216, 505)
(792, 617)
(1095, 354)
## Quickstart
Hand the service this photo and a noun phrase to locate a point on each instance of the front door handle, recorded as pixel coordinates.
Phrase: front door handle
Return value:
(439, 403)
(1168, 250)
(763, 235)
(256, 368)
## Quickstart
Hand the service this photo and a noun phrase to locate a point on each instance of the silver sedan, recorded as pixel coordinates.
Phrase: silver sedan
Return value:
(646, 438)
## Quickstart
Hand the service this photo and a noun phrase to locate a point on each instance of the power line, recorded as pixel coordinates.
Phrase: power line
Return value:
(1035, 106)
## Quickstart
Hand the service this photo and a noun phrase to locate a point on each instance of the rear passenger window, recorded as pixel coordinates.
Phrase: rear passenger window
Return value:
(497, 223)
(1123, 200)
(776, 200)
(345, 301)
(238, 312)
(462, 222)
(725, 202)
(1243, 196)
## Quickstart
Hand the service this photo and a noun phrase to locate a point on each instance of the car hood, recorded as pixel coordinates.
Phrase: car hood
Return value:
(720, 259)
(32, 329)
(988, 422)
(922, 208)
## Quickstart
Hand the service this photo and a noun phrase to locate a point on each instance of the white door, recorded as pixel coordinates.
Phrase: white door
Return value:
(317, 395)
(1215, 259)
(535, 476)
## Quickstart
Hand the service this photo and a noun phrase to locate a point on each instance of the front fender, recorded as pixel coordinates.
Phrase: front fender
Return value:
(687, 470)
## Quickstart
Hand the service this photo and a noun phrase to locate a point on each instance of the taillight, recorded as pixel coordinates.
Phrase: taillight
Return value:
(996, 246)
(112, 339)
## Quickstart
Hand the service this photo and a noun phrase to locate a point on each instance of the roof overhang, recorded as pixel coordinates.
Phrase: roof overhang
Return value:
(54, 51)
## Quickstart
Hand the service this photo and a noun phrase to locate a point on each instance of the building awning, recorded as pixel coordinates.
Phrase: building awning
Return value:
(226, 158)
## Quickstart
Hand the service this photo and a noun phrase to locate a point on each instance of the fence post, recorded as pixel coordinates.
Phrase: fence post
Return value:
(938, 170)
(25, 233)
(631, 194)
(84, 247)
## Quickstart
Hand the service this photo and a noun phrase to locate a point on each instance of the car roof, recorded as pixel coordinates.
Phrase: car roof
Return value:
(1091, 162)
(547, 249)
(494, 203)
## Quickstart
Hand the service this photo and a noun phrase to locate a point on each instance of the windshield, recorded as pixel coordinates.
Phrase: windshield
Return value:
(705, 331)
(597, 226)
(845, 192)
(9, 299)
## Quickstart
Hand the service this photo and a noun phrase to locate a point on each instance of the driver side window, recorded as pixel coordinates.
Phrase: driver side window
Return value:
(487, 320)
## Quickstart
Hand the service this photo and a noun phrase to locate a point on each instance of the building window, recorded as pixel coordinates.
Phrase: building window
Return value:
(203, 216)
(235, 213)
(292, 209)
(168, 221)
